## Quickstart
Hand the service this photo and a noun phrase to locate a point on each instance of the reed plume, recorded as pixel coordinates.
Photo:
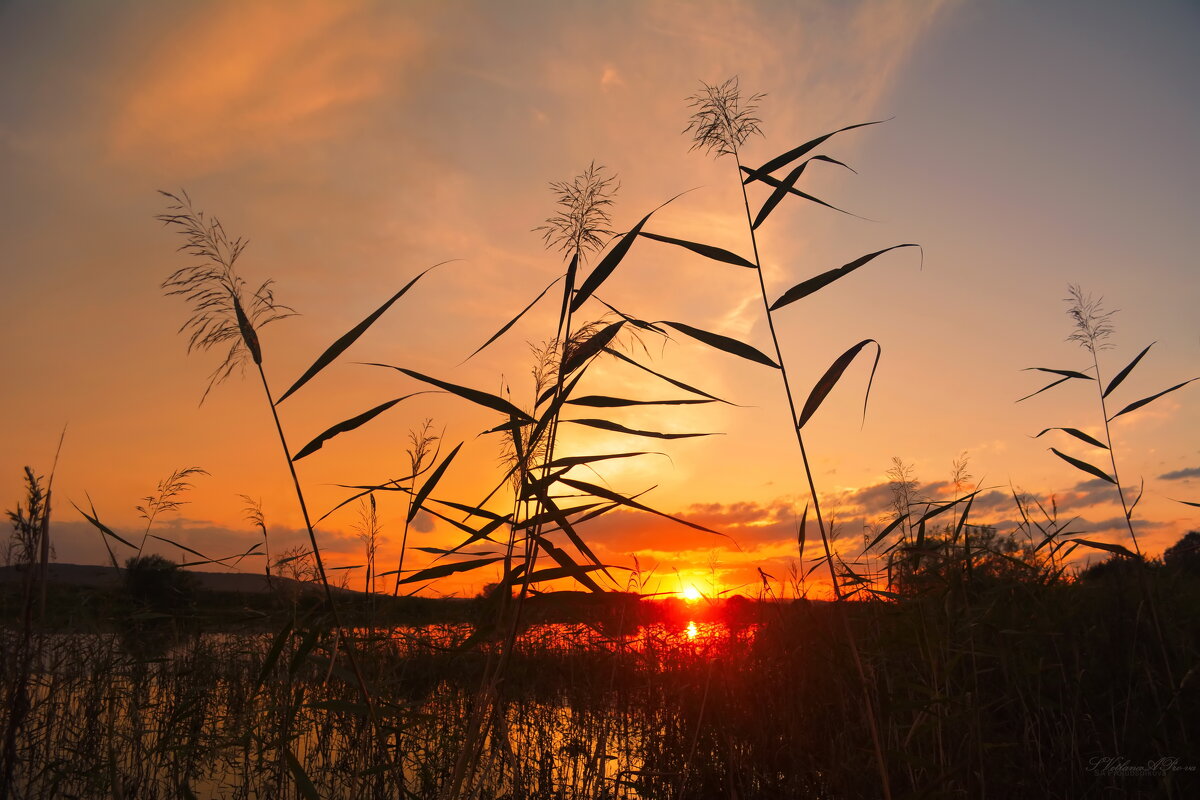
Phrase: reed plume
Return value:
(224, 311)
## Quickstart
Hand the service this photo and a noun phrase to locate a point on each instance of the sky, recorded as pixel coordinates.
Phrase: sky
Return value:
(1028, 146)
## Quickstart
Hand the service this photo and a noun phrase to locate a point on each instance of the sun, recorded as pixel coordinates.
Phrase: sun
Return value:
(691, 593)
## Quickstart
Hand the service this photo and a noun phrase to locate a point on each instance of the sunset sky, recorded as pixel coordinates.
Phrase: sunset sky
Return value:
(1030, 146)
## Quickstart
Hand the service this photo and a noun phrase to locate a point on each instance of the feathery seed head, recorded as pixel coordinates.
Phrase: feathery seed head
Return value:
(720, 121)
(222, 314)
(582, 221)
(1093, 324)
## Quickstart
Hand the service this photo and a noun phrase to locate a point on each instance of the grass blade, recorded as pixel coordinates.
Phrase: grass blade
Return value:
(1110, 548)
(347, 425)
(514, 320)
(607, 265)
(273, 653)
(706, 250)
(570, 566)
(568, 292)
(303, 783)
(784, 187)
(1078, 434)
(891, 526)
(612, 259)
(575, 461)
(603, 401)
(802, 531)
(784, 159)
(1134, 406)
(1124, 373)
(442, 570)
(672, 381)
(1084, 466)
(604, 424)
(732, 346)
(430, 482)
(100, 526)
(805, 288)
(474, 395)
(620, 499)
(1067, 374)
(350, 337)
(822, 388)
(757, 175)
(597, 342)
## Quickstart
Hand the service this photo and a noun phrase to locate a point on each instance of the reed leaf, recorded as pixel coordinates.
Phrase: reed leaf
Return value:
(345, 426)
(569, 291)
(822, 388)
(575, 461)
(706, 250)
(784, 159)
(556, 573)
(620, 499)
(610, 261)
(672, 381)
(304, 784)
(474, 395)
(350, 337)
(1124, 373)
(1136, 500)
(277, 645)
(1134, 406)
(805, 288)
(1084, 466)
(725, 343)
(514, 320)
(802, 531)
(560, 519)
(891, 526)
(782, 189)
(100, 526)
(756, 175)
(944, 507)
(1078, 434)
(1107, 547)
(442, 570)
(608, 425)
(591, 346)
(1067, 374)
(430, 482)
(570, 566)
(607, 264)
(603, 401)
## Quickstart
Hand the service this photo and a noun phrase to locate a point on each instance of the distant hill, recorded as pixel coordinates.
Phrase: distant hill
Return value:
(103, 577)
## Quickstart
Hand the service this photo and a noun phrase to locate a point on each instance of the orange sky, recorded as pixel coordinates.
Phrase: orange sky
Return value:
(355, 144)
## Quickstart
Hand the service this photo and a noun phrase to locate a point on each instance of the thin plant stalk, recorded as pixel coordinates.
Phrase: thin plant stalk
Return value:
(721, 126)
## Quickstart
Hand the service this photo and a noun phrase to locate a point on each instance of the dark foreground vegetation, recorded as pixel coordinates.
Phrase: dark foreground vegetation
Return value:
(991, 687)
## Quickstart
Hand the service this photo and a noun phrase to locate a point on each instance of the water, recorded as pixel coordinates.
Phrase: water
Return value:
(580, 712)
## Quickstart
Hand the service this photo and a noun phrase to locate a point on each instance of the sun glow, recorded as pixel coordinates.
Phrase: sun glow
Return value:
(691, 593)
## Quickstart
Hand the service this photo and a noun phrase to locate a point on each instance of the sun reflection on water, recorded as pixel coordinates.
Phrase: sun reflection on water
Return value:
(691, 631)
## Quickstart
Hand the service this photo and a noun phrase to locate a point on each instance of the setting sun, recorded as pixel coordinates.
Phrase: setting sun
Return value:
(691, 593)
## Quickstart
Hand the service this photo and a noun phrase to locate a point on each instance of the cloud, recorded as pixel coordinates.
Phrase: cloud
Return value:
(611, 78)
(1180, 474)
(235, 80)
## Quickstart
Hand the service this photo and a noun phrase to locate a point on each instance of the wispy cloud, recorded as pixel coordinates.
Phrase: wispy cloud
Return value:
(1180, 474)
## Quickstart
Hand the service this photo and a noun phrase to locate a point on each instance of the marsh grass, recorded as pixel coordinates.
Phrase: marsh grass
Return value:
(1054, 679)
